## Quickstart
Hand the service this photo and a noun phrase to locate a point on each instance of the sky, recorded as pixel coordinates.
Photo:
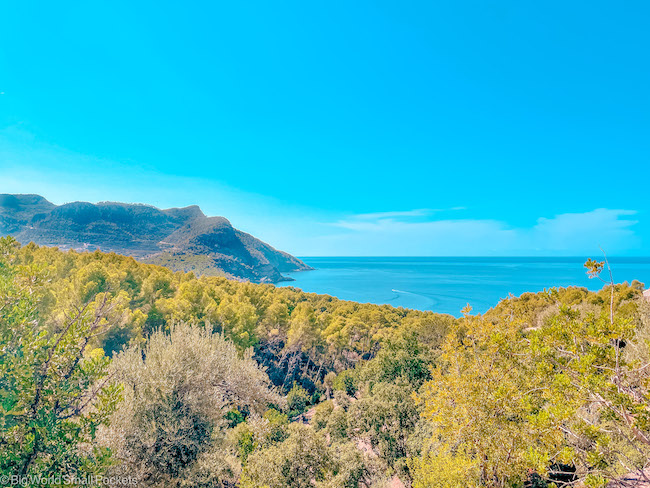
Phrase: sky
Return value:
(326, 128)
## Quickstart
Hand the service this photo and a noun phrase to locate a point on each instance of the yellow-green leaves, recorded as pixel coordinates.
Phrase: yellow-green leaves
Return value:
(54, 389)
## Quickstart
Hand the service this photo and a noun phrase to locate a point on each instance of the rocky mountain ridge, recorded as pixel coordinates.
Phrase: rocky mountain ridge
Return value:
(183, 239)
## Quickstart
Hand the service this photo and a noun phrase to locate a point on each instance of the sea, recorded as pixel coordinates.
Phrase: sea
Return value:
(447, 284)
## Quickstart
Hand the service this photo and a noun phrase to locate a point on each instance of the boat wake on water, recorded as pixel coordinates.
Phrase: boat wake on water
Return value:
(427, 302)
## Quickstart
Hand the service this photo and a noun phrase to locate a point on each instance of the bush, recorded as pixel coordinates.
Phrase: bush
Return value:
(177, 392)
(278, 423)
(234, 417)
(297, 400)
(341, 400)
(337, 425)
(346, 382)
(328, 383)
(49, 377)
(297, 462)
(322, 414)
(244, 440)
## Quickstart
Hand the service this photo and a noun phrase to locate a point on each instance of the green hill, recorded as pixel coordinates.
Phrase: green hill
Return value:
(183, 239)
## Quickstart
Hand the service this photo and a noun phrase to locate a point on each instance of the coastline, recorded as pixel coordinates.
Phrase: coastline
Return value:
(447, 284)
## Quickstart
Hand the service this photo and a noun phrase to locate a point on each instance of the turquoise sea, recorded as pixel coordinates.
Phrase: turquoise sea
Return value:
(446, 285)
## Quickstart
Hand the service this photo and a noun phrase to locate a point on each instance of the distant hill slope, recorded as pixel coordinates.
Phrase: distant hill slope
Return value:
(183, 239)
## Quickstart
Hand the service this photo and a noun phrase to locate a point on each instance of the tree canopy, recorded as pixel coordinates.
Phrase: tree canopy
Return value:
(113, 367)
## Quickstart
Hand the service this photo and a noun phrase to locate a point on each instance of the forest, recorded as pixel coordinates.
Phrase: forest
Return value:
(118, 372)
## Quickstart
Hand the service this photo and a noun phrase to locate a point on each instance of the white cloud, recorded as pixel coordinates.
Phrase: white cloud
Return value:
(609, 228)
(27, 166)
(394, 233)
(401, 214)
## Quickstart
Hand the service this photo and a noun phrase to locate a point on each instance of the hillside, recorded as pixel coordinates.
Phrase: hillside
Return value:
(183, 239)
(209, 382)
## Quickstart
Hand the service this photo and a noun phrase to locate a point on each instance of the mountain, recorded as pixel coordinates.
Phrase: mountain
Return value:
(183, 239)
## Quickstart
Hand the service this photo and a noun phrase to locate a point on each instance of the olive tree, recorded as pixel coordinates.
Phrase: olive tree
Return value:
(171, 427)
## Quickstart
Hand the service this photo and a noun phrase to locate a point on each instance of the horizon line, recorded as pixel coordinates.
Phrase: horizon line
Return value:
(473, 257)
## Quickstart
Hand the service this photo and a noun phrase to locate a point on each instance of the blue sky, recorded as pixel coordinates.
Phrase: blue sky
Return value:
(342, 128)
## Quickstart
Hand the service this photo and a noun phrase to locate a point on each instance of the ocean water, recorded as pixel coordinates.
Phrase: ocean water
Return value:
(446, 285)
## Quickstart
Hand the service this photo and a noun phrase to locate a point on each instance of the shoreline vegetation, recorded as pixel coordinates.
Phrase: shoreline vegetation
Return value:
(112, 367)
(446, 284)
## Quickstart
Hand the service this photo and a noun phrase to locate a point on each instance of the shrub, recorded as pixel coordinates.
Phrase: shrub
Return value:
(298, 462)
(278, 423)
(297, 400)
(337, 424)
(177, 392)
(322, 414)
(346, 382)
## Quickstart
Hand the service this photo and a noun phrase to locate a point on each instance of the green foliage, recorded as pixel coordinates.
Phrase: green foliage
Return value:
(583, 358)
(557, 378)
(346, 382)
(508, 398)
(178, 391)
(341, 399)
(445, 470)
(387, 415)
(305, 460)
(244, 438)
(306, 335)
(234, 417)
(404, 359)
(322, 414)
(298, 461)
(485, 402)
(351, 469)
(54, 391)
(328, 383)
(297, 400)
(337, 425)
(278, 424)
